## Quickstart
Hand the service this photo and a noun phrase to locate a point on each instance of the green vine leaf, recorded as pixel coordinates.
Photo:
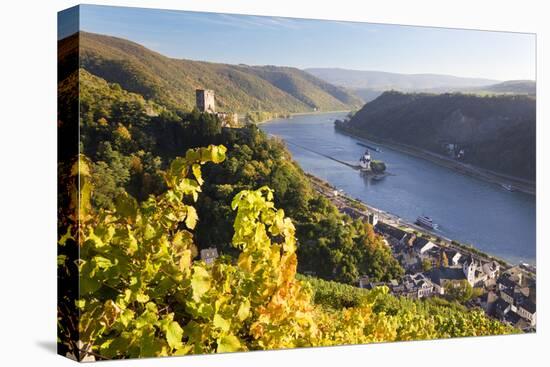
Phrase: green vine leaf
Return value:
(228, 343)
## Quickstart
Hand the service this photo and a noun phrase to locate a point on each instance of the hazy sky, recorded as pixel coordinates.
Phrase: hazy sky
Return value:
(305, 43)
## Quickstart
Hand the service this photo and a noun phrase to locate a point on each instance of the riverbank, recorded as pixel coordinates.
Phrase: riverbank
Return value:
(359, 209)
(518, 184)
(291, 114)
(317, 112)
(468, 210)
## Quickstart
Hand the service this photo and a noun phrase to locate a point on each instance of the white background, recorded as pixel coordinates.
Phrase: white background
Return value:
(28, 181)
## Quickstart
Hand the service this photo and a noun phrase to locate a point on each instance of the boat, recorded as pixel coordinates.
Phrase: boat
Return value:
(364, 161)
(507, 187)
(376, 149)
(426, 222)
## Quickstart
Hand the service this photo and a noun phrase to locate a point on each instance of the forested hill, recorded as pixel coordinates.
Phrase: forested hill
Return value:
(512, 87)
(496, 132)
(239, 88)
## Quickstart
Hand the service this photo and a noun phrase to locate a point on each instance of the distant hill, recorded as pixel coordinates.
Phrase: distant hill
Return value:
(367, 94)
(496, 132)
(239, 88)
(512, 87)
(382, 81)
(526, 87)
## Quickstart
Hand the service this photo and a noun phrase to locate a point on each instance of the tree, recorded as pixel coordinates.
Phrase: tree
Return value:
(460, 291)
(379, 263)
(444, 261)
(110, 175)
(426, 265)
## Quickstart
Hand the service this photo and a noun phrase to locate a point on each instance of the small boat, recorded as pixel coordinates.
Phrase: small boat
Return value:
(426, 222)
(507, 187)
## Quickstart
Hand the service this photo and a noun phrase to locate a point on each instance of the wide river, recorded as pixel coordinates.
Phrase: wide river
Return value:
(467, 209)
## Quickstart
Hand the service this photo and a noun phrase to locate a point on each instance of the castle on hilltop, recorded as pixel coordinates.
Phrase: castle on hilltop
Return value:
(205, 102)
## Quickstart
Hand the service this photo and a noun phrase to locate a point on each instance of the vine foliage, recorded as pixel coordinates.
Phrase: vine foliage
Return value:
(143, 293)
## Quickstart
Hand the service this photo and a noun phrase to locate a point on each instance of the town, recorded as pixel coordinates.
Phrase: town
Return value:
(437, 267)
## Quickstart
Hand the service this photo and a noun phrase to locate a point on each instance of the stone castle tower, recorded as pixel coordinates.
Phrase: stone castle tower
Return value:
(205, 100)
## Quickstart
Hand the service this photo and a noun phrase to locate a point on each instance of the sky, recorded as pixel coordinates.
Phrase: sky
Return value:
(303, 43)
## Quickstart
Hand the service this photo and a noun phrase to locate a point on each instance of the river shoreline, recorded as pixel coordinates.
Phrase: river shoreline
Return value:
(291, 114)
(448, 201)
(361, 208)
(519, 184)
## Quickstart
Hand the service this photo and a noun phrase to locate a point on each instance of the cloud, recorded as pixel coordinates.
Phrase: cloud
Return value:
(254, 21)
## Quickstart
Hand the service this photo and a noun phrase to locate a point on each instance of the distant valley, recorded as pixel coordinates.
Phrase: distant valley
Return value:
(370, 84)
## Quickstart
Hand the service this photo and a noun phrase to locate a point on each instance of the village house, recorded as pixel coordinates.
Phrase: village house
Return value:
(516, 305)
(413, 286)
(514, 319)
(424, 249)
(394, 235)
(491, 268)
(443, 278)
(209, 255)
(522, 317)
(507, 295)
(528, 310)
(514, 289)
(505, 282)
(416, 286)
(422, 245)
(372, 218)
(455, 258)
(364, 281)
(487, 301)
(515, 274)
(501, 308)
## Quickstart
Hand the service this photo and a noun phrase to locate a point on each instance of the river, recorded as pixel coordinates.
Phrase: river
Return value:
(467, 209)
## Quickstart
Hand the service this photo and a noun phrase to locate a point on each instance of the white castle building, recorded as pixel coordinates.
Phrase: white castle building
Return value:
(365, 160)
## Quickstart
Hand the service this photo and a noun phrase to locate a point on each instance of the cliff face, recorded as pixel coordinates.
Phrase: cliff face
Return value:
(496, 133)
